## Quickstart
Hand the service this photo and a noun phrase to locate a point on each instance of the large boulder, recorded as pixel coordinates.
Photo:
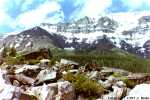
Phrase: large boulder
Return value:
(107, 84)
(55, 91)
(140, 92)
(68, 62)
(26, 67)
(7, 91)
(39, 54)
(117, 94)
(21, 79)
(28, 70)
(65, 91)
(47, 76)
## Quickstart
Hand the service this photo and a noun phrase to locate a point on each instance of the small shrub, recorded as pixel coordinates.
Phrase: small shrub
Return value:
(84, 86)
(69, 77)
(12, 52)
(115, 74)
(52, 62)
(130, 83)
(33, 62)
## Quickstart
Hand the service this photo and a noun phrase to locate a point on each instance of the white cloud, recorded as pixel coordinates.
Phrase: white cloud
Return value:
(91, 8)
(135, 4)
(33, 17)
(58, 17)
(26, 4)
(4, 17)
(2, 4)
(39, 15)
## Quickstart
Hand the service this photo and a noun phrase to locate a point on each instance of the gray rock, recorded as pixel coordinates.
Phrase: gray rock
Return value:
(120, 84)
(28, 70)
(7, 91)
(55, 91)
(73, 71)
(117, 94)
(141, 92)
(64, 61)
(46, 75)
(22, 78)
(16, 83)
(94, 75)
(44, 62)
(108, 83)
(65, 91)
(25, 68)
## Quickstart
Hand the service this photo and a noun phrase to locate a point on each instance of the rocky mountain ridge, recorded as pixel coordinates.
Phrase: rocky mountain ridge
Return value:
(131, 35)
(130, 32)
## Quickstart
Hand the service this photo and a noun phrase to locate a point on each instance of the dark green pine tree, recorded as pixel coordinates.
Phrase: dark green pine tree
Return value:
(12, 52)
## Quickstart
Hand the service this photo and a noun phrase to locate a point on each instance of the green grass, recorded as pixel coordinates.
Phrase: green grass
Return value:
(14, 61)
(33, 62)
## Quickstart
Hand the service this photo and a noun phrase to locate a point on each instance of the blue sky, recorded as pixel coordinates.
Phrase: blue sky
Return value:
(17, 15)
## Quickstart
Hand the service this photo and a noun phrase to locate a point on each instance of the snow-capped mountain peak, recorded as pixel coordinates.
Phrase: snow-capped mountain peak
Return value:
(128, 31)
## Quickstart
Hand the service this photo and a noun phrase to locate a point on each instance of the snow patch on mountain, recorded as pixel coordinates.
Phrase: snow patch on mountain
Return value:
(126, 21)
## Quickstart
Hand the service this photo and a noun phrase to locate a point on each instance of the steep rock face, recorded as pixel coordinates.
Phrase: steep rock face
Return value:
(128, 31)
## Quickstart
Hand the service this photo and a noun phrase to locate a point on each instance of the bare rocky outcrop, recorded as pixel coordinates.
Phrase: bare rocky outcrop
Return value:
(49, 82)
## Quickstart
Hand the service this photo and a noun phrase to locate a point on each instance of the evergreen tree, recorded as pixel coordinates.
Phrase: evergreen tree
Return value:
(12, 52)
